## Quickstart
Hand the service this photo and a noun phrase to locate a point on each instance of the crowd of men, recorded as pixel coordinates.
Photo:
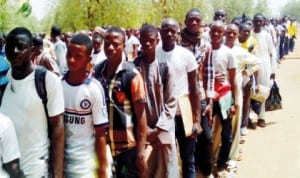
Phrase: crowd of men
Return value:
(116, 100)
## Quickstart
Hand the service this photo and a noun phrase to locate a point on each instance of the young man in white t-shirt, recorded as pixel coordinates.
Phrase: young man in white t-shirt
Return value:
(131, 45)
(185, 67)
(225, 89)
(24, 107)
(85, 115)
(9, 150)
(98, 55)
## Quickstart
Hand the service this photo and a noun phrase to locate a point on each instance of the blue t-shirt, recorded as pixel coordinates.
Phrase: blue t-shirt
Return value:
(4, 67)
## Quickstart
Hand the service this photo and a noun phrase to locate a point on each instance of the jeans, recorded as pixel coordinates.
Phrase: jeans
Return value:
(203, 151)
(125, 166)
(226, 136)
(186, 150)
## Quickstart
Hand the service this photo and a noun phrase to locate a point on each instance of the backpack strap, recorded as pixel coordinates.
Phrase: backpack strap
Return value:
(40, 85)
(99, 68)
(2, 90)
(126, 77)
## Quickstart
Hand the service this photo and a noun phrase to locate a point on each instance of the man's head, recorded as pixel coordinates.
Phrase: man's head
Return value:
(237, 21)
(114, 43)
(245, 32)
(55, 32)
(97, 42)
(231, 34)
(148, 39)
(169, 28)
(258, 22)
(220, 14)
(18, 47)
(79, 52)
(37, 42)
(216, 32)
(193, 19)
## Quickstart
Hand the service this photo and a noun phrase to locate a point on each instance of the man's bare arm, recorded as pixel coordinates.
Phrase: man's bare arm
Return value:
(195, 101)
(139, 108)
(57, 140)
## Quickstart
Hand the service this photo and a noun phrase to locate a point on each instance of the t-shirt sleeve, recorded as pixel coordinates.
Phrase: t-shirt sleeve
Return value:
(55, 97)
(99, 109)
(191, 61)
(232, 61)
(137, 88)
(9, 143)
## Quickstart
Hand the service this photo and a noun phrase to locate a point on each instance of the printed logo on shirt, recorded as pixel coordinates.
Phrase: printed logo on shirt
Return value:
(73, 119)
(72, 116)
(85, 104)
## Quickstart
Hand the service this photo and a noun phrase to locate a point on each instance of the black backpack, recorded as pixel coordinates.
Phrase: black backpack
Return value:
(40, 85)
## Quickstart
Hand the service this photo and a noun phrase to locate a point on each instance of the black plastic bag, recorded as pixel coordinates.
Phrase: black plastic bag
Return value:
(274, 101)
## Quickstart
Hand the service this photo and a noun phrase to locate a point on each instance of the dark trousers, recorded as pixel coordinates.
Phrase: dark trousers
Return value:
(281, 47)
(203, 151)
(226, 137)
(186, 150)
(125, 166)
(246, 103)
(286, 46)
(292, 44)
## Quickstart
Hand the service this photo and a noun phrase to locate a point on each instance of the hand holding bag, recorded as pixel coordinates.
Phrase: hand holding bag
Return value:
(262, 94)
(274, 101)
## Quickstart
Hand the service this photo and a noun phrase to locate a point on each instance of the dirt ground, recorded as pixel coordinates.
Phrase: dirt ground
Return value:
(274, 151)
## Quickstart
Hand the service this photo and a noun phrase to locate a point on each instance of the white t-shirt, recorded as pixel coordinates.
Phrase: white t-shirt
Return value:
(132, 40)
(183, 62)
(223, 60)
(85, 108)
(60, 50)
(9, 148)
(24, 107)
(98, 58)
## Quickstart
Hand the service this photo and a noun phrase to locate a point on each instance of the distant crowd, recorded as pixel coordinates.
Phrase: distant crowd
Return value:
(152, 102)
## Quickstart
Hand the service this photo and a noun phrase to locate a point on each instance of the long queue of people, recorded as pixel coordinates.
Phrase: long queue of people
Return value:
(123, 104)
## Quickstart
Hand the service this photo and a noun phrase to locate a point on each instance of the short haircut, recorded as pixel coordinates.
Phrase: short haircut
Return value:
(233, 27)
(82, 39)
(258, 15)
(37, 40)
(55, 30)
(147, 28)
(218, 23)
(97, 36)
(116, 30)
(169, 21)
(192, 10)
(244, 25)
(236, 20)
(17, 31)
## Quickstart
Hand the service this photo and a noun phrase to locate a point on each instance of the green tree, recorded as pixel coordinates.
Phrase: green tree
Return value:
(10, 18)
(2, 14)
(291, 9)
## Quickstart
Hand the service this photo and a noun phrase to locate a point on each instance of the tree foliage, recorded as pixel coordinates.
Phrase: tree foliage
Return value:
(11, 17)
(292, 9)
(2, 14)
(75, 15)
